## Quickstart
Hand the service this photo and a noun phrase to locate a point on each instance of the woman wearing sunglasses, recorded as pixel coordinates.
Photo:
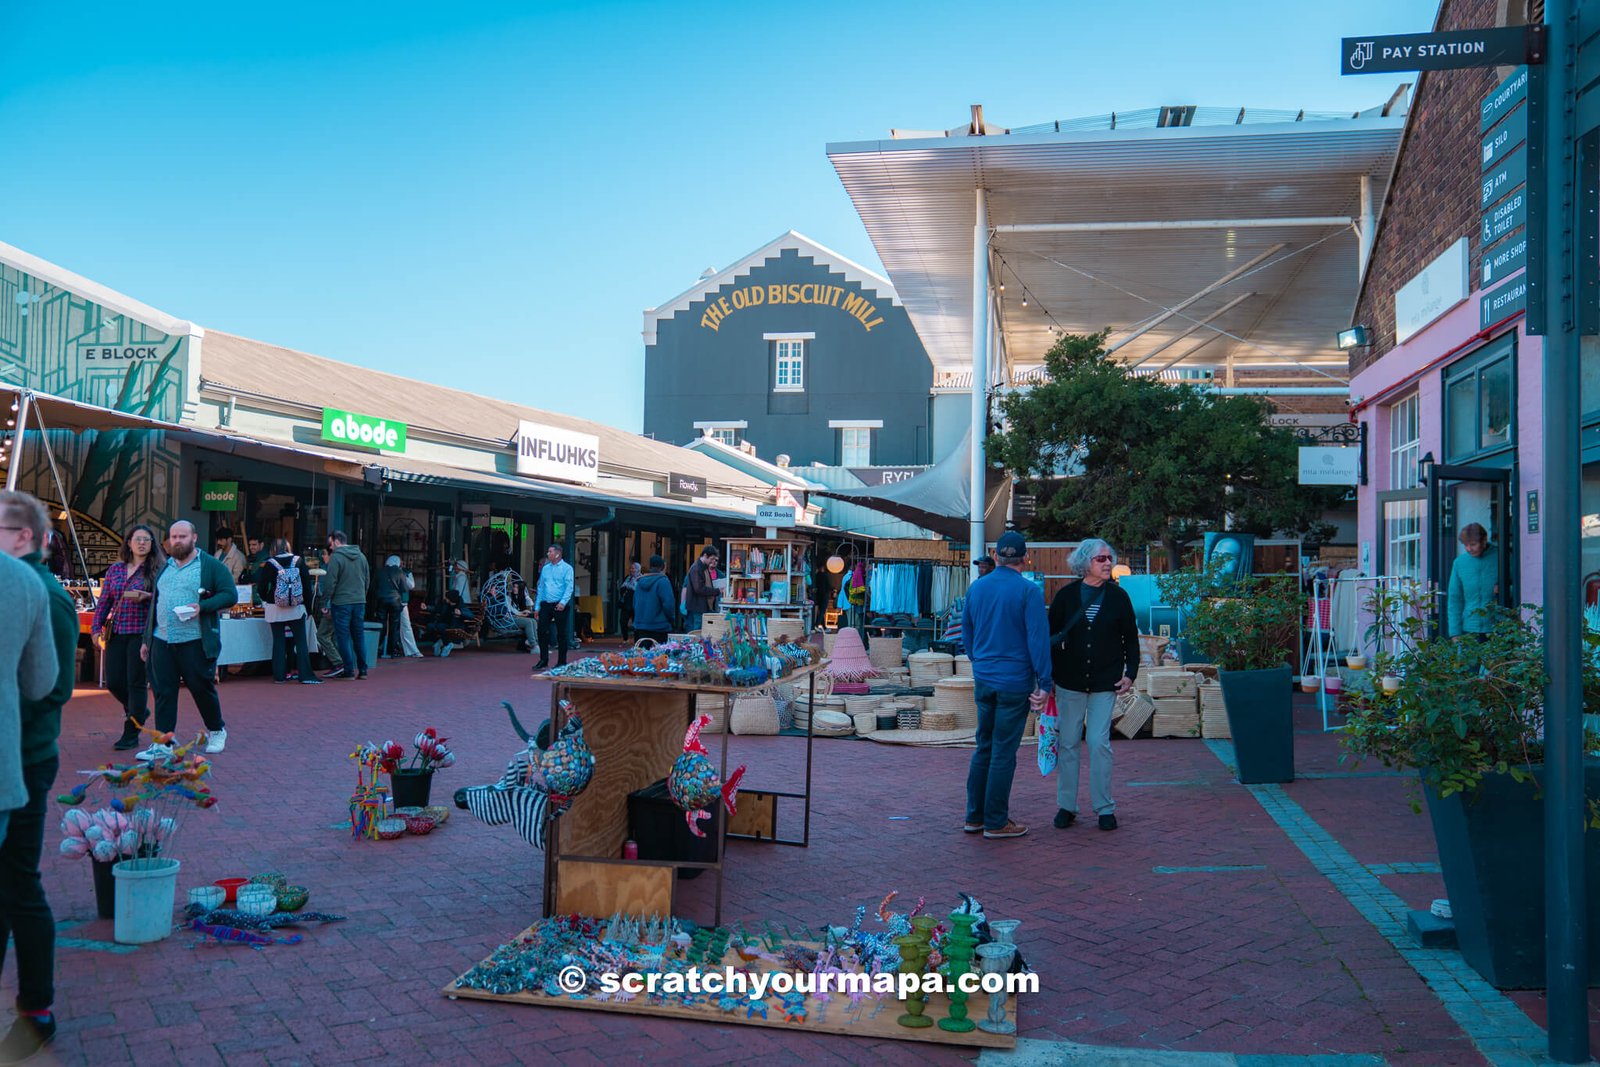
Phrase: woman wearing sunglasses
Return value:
(1094, 658)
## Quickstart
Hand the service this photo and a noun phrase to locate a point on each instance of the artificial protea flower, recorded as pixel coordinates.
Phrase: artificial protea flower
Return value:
(74, 846)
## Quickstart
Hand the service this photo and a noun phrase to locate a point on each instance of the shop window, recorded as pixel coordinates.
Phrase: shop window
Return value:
(1403, 517)
(1480, 404)
(855, 446)
(789, 375)
(1405, 442)
(728, 435)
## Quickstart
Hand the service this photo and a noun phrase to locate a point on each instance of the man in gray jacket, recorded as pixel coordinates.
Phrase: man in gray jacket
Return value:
(27, 671)
(345, 587)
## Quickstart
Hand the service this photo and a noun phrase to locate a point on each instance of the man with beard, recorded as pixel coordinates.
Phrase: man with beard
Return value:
(182, 636)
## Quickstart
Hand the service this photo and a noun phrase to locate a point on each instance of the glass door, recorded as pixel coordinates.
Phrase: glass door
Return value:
(1463, 497)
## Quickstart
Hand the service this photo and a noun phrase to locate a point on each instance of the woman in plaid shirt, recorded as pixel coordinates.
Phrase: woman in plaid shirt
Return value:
(125, 599)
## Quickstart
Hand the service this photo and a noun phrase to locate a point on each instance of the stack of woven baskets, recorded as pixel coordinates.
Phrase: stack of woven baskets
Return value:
(954, 696)
(887, 653)
(928, 667)
(863, 711)
(804, 708)
(963, 667)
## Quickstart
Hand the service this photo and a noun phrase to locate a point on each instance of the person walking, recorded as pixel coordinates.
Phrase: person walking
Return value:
(703, 594)
(118, 626)
(627, 592)
(284, 586)
(345, 586)
(1005, 632)
(408, 638)
(25, 916)
(392, 593)
(182, 636)
(1094, 658)
(28, 669)
(551, 600)
(1474, 584)
(654, 604)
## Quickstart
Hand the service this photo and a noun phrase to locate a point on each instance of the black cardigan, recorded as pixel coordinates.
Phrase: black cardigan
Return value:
(1094, 657)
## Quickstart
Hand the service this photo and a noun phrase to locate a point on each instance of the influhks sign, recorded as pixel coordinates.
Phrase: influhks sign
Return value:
(551, 452)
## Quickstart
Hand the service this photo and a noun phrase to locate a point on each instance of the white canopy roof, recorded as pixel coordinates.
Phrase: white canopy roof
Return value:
(1115, 221)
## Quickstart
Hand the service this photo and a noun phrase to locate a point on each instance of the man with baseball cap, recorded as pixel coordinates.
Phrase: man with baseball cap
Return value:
(1005, 630)
(985, 565)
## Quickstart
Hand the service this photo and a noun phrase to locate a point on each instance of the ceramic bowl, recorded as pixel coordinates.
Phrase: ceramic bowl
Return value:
(248, 893)
(406, 813)
(259, 905)
(230, 888)
(438, 813)
(389, 829)
(293, 898)
(208, 896)
(419, 825)
(271, 878)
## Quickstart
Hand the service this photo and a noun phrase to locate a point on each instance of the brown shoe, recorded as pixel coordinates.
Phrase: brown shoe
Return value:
(972, 827)
(1010, 829)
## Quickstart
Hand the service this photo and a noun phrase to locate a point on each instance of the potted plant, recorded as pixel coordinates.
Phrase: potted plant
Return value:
(1468, 719)
(412, 781)
(1248, 627)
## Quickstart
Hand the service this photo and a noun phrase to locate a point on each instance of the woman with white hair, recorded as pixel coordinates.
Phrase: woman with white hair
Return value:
(1094, 658)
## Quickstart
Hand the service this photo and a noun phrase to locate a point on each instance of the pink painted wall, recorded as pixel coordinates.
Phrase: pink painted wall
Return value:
(1455, 328)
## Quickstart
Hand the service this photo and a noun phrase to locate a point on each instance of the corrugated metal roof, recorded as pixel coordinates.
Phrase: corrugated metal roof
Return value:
(232, 362)
(916, 199)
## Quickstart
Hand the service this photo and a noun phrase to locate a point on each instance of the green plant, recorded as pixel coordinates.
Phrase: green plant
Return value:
(1241, 624)
(1466, 708)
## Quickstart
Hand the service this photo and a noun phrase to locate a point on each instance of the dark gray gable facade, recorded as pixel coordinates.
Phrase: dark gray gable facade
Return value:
(782, 354)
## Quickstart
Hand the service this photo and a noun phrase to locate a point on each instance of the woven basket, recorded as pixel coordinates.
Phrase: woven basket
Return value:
(907, 716)
(955, 696)
(963, 667)
(886, 653)
(781, 630)
(929, 667)
(711, 704)
(859, 705)
(833, 723)
(866, 721)
(755, 713)
(938, 720)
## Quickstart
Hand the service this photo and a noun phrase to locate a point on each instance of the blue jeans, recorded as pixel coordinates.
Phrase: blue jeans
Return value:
(1001, 720)
(25, 917)
(350, 635)
(693, 621)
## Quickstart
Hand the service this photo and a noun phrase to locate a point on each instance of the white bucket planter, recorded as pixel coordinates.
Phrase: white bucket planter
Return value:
(146, 892)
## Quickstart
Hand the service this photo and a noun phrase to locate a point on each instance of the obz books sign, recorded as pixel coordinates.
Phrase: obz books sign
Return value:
(551, 452)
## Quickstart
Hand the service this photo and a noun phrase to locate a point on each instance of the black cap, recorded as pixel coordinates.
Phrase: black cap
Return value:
(981, 560)
(223, 531)
(1011, 545)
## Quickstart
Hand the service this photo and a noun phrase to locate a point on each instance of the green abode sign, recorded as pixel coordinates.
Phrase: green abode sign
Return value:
(363, 431)
(219, 496)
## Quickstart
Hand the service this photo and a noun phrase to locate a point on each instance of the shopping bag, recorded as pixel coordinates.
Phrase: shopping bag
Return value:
(1049, 731)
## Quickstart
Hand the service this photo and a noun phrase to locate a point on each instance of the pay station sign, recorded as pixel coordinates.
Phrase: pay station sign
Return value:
(1502, 46)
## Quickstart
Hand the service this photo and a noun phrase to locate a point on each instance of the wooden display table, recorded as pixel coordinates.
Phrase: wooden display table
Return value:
(635, 727)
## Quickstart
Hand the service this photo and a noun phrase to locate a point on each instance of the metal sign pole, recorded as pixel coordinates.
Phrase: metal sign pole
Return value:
(15, 469)
(1566, 933)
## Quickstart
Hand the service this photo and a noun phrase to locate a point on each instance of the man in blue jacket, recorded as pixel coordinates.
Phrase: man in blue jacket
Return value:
(1005, 630)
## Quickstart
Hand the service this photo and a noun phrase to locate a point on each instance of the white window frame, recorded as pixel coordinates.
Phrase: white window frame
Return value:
(729, 431)
(862, 443)
(789, 351)
(1405, 442)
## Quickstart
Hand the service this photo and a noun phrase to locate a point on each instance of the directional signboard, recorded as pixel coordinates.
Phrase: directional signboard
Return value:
(1504, 176)
(1507, 95)
(1504, 138)
(1452, 50)
(1501, 303)
(1504, 260)
(1508, 215)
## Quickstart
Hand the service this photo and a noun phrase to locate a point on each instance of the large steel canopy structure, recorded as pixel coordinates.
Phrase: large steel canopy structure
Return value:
(1227, 239)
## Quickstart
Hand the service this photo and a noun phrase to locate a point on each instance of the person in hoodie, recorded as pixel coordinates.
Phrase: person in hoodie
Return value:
(345, 587)
(653, 604)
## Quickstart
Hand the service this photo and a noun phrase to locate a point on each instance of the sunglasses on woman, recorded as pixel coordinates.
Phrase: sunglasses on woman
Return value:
(1102, 559)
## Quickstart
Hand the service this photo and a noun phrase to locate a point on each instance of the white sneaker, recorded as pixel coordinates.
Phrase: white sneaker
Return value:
(216, 742)
(156, 751)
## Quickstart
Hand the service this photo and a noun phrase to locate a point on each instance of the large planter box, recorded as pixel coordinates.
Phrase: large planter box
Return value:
(1261, 718)
(1491, 851)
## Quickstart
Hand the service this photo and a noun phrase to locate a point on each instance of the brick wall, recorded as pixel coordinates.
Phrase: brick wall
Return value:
(1433, 200)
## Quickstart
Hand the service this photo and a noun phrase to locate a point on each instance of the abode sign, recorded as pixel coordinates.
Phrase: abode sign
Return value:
(363, 431)
(219, 496)
(551, 452)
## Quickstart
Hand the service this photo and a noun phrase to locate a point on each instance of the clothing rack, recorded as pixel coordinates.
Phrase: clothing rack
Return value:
(1341, 629)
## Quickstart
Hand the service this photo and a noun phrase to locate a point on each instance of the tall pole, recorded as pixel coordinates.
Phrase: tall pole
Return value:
(1367, 225)
(14, 469)
(1566, 934)
(980, 369)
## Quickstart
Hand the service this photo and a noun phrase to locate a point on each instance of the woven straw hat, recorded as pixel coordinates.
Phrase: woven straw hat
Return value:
(850, 662)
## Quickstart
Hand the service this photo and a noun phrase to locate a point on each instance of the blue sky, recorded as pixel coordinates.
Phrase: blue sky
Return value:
(489, 194)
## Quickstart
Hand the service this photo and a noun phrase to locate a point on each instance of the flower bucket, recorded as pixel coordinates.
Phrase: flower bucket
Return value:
(105, 889)
(146, 890)
(410, 788)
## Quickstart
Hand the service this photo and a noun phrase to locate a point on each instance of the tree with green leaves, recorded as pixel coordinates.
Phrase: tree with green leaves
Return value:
(1134, 460)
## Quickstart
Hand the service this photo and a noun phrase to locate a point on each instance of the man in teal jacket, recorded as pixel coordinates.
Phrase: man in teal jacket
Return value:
(24, 910)
(183, 636)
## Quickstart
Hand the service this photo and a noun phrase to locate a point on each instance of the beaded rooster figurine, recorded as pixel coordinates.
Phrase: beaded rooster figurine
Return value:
(568, 764)
(694, 782)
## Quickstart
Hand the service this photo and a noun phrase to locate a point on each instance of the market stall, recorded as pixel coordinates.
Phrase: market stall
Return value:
(635, 727)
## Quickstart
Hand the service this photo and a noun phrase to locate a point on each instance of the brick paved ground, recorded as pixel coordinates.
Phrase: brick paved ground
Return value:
(1264, 955)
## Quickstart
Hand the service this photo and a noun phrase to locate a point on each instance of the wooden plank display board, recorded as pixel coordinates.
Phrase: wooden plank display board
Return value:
(873, 1019)
(635, 728)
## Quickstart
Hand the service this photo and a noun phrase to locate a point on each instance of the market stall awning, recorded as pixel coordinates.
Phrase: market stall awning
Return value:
(1198, 236)
(939, 498)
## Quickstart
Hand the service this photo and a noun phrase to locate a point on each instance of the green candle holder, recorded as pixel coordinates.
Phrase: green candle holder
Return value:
(958, 948)
(913, 958)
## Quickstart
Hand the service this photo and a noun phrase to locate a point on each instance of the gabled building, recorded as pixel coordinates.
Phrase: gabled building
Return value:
(796, 350)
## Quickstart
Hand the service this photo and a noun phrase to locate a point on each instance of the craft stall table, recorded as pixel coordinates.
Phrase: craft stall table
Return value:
(635, 727)
(246, 640)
